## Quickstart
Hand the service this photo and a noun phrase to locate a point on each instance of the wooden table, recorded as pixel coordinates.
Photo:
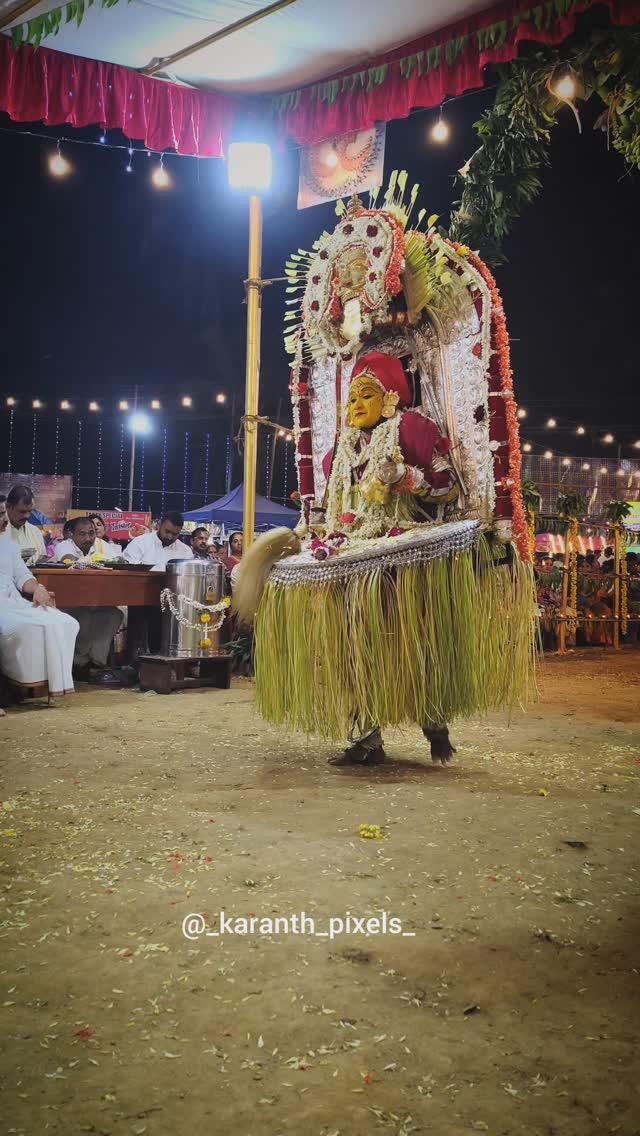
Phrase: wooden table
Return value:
(102, 587)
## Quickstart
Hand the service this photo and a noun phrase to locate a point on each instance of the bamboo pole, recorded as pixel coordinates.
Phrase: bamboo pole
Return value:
(254, 312)
(562, 637)
(616, 586)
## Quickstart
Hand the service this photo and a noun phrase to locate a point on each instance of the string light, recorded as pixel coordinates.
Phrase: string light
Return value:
(59, 166)
(289, 438)
(142, 474)
(33, 445)
(56, 449)
(99, 469)
(281, 433)
(608, 438)
(227, 464)
(267, 461)
(78, 462)
(155, 404)
(286, 470)
(551, 423)
(221, 398)
(93, 406)
(186, 464)
(440, 131)
(121, 462)
(207, 448)
(522, 412)
(64, 405)
(160, 177)
(123, 404)
(10, 446)
(129, 165)
(164, 469)
(187, 400)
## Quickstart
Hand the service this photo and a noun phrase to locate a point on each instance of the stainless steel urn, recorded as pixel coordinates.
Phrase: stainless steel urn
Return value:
(189, 582)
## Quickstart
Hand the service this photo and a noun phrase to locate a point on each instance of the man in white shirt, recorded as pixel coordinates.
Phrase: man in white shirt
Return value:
(98, 625)
(36, 641)
(25, 535)
(157, 548)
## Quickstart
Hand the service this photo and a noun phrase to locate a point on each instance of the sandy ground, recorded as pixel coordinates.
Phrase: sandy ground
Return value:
(509, 1006)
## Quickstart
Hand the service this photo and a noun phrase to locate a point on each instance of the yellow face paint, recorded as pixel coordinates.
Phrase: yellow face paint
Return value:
(365, 403)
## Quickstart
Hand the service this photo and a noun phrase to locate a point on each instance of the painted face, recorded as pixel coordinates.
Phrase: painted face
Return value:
(364, 406)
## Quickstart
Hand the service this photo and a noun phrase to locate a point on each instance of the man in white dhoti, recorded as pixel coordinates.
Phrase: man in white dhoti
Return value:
(98, 625)
(26, 536)
(36, 641)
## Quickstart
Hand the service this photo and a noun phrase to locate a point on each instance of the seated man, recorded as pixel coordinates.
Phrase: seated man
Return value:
(28, 538)
(156, 549)
(36, 641)
(200, 543)
(98, 625)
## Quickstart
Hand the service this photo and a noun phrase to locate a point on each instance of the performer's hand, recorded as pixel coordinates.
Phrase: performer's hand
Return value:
(41, 597)
(390, 472)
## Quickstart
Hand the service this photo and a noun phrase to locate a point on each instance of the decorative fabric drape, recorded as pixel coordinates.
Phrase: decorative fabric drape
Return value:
(40, 85)
(423, 73)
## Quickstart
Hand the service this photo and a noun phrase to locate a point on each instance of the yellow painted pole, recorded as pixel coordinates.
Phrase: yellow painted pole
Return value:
(254, 313)
(562, 633)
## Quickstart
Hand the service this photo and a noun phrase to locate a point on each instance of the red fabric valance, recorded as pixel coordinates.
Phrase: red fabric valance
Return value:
(425, 72)
(40, 85)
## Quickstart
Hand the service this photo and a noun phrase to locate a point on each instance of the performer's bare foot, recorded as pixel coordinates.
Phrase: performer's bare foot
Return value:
(441, 749)
(359, 755)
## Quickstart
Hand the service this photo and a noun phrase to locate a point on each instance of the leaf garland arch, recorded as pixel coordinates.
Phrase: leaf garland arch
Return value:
(503, 176)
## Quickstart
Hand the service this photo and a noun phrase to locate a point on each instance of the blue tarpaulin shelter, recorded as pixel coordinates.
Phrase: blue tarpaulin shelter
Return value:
(228, 511)
(38, 518)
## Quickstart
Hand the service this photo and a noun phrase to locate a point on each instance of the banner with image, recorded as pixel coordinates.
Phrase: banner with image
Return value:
(340, 167)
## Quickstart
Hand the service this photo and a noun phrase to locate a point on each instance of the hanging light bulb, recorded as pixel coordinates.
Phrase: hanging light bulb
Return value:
(11, 401)
(585, 465)
(289, 438)
(551, 423)
(636, 445)
(527, 447)
(522, 412)
(93, 406)
(221, 398)
(608, 438)
(620, 473)
(566, 461)
(565, 87)
(65, 405)
(603, 469)
(187, 401)
(36, 404)
(547, 454)
(160, 177)
(155, 404)
(129, 165)
(59, 166)
(581, 430)
(281, 433)
(123, 404)
(440, 131)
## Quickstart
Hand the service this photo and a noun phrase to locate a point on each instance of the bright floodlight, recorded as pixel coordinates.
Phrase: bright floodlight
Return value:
(249, 166)
(140, 424)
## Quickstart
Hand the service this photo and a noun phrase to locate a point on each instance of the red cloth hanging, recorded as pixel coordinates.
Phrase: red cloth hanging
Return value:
(40, 85)
(310, 118)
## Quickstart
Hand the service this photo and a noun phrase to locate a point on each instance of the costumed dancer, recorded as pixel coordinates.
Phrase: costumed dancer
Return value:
(406, 595)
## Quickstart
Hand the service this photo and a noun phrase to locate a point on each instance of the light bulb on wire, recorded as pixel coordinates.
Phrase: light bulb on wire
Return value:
(547, 454)
(608, 438)
(565, 87)
(440, 130)
(585, 465)
(551, 423)
(160, 177)
(59, 166)
(581, 430)
(566, 461)
(603, 469)
(527, 447)
(522, 412)
(129, 165)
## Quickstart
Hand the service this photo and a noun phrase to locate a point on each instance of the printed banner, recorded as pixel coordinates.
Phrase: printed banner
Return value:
(51, 492)
(632, 522)
(121, 526)
(340, 167)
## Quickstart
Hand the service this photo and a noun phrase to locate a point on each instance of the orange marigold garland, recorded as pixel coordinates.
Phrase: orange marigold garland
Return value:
(572, 537)
(500, 340)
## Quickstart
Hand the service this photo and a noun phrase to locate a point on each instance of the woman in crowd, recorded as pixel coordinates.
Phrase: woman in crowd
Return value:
(235, 551)
(103, 545)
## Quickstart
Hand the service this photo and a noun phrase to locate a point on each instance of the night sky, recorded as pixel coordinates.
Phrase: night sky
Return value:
(108, 283)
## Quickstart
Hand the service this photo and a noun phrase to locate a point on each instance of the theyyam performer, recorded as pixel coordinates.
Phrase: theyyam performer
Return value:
(405, 593)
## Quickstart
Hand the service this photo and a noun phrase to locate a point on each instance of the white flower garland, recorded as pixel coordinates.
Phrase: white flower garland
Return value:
(371, 520)
(167, 599)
